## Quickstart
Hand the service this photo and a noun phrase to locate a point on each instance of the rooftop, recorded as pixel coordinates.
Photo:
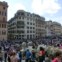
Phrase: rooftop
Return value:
(4, 3)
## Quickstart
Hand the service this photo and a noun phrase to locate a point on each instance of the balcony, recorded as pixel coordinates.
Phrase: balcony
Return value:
(20, 31)
(20, 26)
(20, 23)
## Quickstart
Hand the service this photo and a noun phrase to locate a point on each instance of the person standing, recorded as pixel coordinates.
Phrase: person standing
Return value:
(28, 56)
(19, 55)
(5, 56)
(33, 56)
(14, 58)
(1, 54)
(58, 57)
(41, 55)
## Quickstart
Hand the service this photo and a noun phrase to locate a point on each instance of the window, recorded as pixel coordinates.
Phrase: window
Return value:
(3, 18)
(5, 14)
(30, 23)
(20, 26)
(27, 22)
(0, 12)
(20, 31)
(30, 27)
(27, 27)
(33, 27)
(0, 25)
(18, 13)
(19, 17)
(33, 23)
(3, 25)
(4, 8)
(20, 22)
(22, 13)
(27, 36)
(0, 32)
(30, 31)
(22, 35)
(27, 31)
(33, 31)
(3, 32)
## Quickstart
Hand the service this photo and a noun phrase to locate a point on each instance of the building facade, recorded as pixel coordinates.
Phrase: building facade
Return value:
(56, 27)
(61, 30)
(48, 28)
(40, 26)
(53, 28)
(25, 25)
(22, 25)
(3, 20)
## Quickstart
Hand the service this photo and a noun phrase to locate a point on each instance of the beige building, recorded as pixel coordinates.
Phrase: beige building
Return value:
(3, 20)
(56, 27)
(40, 26)
(53, 28)
(61, 30)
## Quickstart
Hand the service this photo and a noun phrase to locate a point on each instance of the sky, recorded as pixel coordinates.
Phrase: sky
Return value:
(50, 9)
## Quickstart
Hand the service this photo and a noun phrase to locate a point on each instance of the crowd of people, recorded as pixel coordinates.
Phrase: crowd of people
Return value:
(19, 55)
(24, 54)
(19, 52)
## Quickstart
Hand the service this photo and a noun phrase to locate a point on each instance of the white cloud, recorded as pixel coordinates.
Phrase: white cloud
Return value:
(36, 6)
(12, 9)
(19, 6)
(45, 6)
